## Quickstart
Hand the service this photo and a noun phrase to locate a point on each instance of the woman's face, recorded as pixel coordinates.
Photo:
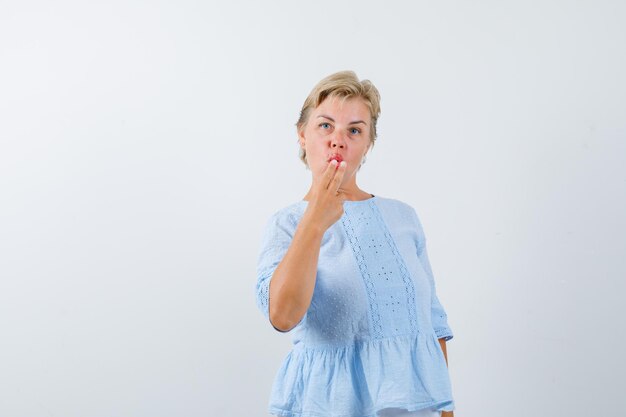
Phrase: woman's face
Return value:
(337, 126)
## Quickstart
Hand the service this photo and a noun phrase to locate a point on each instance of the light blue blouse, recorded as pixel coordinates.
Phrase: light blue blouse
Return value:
(368, 340)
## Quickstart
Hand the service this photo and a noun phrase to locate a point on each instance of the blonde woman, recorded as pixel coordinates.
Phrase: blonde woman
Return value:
(346, 273)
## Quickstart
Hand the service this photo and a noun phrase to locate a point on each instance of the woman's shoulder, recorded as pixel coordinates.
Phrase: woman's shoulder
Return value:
(396, 205)
(290, 213)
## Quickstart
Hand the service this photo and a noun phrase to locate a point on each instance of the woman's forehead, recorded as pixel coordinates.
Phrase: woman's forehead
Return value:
(342, 107)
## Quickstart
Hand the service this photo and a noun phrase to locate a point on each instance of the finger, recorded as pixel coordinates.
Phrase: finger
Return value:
(328, 174)
(336, 182)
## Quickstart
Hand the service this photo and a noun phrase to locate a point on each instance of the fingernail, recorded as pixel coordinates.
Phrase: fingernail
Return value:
(343, 163)
(334, 162)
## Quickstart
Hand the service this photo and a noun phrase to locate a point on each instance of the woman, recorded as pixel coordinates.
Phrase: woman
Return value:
(347, 273)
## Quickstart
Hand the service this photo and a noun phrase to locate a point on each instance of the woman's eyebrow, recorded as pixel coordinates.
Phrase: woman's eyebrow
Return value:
(356, 122)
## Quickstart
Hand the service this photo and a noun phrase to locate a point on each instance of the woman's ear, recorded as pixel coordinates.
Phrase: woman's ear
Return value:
(301, 138)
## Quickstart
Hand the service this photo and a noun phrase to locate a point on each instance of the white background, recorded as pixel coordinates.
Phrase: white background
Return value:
(143, 146)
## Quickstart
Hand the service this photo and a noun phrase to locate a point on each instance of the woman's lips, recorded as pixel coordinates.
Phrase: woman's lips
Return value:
(338, 158)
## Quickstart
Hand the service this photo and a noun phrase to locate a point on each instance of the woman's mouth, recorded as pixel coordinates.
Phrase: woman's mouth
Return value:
(337, 158)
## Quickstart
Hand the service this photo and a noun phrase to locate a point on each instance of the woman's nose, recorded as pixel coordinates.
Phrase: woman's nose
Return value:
(337, 140)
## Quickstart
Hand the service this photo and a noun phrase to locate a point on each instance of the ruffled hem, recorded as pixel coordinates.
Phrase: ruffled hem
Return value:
(445, 405)
(360, 379)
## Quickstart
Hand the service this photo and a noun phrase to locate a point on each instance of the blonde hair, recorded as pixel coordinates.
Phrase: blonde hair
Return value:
(343, 84)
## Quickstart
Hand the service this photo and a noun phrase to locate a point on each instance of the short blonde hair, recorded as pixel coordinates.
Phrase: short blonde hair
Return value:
(343, 84)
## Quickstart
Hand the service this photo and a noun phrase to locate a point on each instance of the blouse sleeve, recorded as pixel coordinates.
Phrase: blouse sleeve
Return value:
(438, 314)
(275, 241)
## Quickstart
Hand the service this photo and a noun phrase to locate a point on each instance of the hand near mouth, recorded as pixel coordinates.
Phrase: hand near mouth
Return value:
(337, 158)
(326, 201)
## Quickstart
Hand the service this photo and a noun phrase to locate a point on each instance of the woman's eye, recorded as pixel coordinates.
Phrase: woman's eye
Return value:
(325, 125)
(355, 131)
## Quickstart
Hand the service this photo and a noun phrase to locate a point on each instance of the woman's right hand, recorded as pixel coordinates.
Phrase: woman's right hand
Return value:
(325, 205)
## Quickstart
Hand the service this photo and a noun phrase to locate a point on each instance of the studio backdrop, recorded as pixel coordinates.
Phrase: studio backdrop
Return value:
(144, 145)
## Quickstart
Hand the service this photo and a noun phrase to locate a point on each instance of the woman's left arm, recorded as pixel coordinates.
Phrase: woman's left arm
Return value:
(442, 342)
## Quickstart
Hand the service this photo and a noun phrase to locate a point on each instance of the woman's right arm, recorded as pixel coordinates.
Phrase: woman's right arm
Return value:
(293, 281)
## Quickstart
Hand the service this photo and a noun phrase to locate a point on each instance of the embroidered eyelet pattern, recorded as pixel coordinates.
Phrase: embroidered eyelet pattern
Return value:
(406, 278)
(376, 327)
(391, 311)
